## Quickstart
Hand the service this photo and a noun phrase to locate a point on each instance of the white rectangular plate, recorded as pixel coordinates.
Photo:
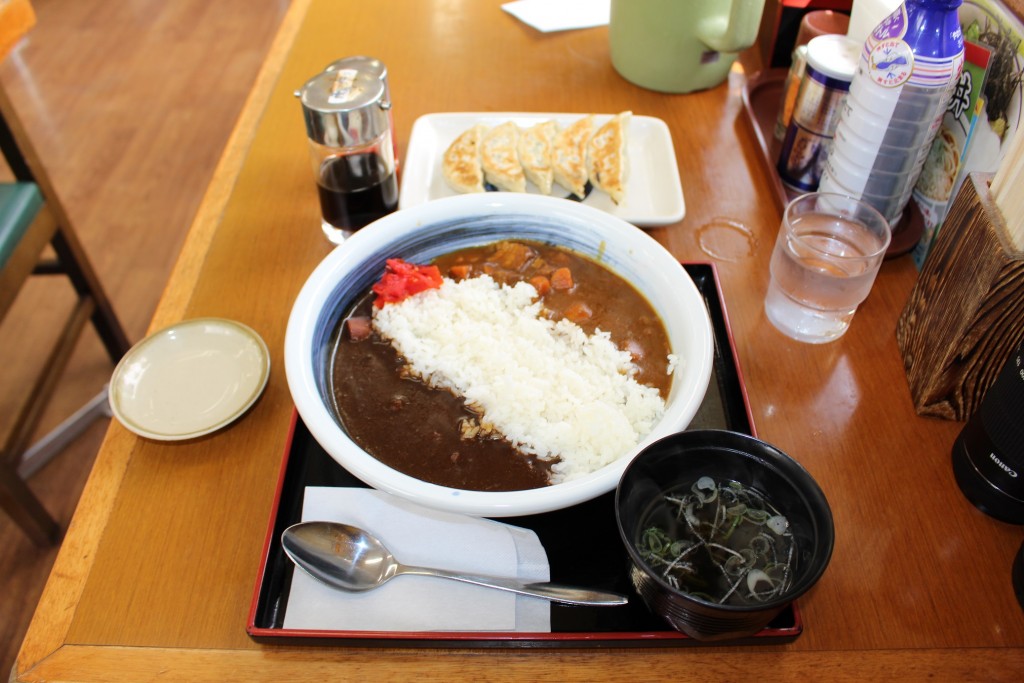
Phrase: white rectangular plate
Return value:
(654, 195)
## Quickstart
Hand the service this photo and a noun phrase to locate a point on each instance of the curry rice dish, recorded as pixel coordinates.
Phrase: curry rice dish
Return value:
(524, 365)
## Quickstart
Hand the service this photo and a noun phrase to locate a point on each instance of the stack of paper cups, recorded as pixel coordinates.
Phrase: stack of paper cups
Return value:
(895, 105)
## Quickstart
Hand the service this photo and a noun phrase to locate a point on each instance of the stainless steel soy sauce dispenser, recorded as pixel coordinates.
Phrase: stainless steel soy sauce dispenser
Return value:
(374, 67)
(351, 145)
(364, 64)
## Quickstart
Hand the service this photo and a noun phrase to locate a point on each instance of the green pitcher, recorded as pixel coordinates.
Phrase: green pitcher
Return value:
(680, 46)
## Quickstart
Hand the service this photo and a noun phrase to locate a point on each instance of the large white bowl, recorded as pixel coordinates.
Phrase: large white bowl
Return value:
(425, 231)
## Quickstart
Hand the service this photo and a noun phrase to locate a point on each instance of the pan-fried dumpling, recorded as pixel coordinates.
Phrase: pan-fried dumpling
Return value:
(569, 160)
(535, 146)
(460, 164)
(500, 159)
(606, 157)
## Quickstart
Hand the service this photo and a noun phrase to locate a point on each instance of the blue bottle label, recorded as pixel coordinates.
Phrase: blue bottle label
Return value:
(893, 26)
(890, 61)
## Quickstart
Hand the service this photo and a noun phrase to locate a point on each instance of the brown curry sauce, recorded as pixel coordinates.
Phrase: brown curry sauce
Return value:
(415, 429)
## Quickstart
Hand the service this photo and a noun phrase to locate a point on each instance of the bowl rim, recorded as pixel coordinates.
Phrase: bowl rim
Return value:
(808, 486)
(365, 243)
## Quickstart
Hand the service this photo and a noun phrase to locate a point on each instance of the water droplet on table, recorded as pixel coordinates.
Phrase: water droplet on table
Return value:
(726, 239)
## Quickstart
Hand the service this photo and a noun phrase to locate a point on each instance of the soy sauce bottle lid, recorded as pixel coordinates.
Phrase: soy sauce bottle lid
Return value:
(361, 63)
(345, 108)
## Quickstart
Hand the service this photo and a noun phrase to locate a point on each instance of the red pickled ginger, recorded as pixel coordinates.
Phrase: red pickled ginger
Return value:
(401, 280)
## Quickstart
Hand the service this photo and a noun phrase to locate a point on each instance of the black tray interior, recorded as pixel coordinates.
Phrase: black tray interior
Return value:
(582, 542)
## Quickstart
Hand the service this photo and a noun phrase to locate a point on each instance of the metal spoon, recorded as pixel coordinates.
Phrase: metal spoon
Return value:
(351, 559)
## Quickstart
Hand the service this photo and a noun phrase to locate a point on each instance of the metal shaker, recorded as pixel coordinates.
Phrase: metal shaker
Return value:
(351, 143)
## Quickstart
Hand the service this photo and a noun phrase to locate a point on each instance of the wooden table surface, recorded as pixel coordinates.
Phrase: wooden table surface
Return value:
(156, 574)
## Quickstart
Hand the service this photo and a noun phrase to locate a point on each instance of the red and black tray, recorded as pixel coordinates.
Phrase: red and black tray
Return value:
(582, 542)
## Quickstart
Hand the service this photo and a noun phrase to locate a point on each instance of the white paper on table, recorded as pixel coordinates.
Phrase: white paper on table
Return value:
(560, 15)
(421, 536)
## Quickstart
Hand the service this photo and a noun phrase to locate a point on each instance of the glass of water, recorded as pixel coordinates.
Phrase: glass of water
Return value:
(826, 256)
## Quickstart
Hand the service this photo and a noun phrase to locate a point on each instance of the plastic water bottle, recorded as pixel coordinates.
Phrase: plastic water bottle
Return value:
(906, 74)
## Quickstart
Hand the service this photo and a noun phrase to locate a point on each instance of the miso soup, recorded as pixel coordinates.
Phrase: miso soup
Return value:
(719, 541)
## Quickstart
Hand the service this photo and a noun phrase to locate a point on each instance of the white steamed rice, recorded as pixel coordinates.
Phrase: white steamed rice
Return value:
(548, 387)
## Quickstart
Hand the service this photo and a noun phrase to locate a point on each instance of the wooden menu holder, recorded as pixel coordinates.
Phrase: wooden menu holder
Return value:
(966, 313)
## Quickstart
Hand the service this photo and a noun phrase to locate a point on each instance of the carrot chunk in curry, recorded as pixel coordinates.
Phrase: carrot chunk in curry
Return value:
(578, 311)
(561, 278)
(460, 271)
(541, 284)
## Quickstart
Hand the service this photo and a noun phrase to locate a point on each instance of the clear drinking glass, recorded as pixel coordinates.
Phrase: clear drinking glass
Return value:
(826, 256)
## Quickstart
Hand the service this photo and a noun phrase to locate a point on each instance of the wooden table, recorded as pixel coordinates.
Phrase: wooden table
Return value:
(156, 575)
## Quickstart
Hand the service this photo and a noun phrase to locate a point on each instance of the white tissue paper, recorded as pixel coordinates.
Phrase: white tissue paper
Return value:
(560, 15)
(417, 535)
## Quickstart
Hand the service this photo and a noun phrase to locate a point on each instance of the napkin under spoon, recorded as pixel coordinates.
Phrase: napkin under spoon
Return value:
(348, 558)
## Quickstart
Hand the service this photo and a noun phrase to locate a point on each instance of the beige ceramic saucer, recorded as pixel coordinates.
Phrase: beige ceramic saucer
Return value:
(189, 379)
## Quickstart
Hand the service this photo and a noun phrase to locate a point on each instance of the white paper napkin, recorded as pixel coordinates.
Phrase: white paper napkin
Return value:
(421, 536)
(560, 15)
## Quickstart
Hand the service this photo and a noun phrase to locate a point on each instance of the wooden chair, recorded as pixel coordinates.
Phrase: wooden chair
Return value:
(31, 219)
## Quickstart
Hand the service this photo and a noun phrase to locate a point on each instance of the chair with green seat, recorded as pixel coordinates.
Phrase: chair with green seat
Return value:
(29, 223)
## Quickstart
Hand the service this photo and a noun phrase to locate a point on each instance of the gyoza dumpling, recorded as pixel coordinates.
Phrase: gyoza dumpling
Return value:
(606, 157)
(460, 164)
(500, 159)
(569, 160)
(535, 147)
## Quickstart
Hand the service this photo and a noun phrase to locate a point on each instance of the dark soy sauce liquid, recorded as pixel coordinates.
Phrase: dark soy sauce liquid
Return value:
(356, 189)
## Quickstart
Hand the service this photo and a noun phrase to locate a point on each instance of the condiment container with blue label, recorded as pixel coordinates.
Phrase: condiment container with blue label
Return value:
(907, 71)
(831, 62)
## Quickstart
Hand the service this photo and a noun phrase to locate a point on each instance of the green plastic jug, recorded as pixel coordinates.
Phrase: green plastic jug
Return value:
(679, 46)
